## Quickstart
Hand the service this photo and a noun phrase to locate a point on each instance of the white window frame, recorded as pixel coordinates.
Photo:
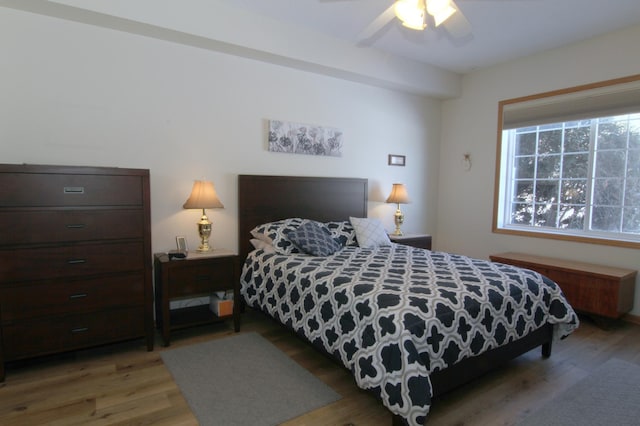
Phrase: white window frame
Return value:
(613, 97)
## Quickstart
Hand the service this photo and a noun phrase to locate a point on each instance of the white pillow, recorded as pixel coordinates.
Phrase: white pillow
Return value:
(370, 232)
(261, 245)
(261, 237)
(275, 233)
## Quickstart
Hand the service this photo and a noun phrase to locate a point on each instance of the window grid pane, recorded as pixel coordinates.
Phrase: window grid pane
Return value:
(578, 176)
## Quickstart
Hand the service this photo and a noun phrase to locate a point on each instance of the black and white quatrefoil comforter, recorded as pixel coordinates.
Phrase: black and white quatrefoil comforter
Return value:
(395, 313)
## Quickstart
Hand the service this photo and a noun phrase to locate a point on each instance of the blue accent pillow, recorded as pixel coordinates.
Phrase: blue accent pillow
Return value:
(314, 239)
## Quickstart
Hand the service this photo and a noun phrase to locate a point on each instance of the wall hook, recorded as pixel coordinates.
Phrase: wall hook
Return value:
(466, 161)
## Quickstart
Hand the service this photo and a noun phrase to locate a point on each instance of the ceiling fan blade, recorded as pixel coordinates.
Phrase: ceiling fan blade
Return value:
(457, 25)
(378, 24)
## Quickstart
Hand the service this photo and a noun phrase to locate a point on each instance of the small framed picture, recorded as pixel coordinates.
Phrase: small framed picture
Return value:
(396, 160)
(181, 242)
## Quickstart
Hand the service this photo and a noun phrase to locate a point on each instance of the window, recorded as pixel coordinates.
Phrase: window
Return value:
(570, 165)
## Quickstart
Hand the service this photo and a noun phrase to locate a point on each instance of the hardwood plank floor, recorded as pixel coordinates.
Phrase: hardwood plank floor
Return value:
(123, 384)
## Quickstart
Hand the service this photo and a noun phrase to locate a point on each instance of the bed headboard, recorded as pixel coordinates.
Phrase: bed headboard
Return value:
(263, 199)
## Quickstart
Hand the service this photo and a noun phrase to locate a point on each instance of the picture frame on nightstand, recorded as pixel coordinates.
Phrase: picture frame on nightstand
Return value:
(181, 243)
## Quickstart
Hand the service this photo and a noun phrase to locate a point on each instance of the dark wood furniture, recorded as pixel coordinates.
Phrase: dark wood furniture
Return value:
(593, 289)
(413, 240)
(263, 199)
(197, 275)
(75, 258)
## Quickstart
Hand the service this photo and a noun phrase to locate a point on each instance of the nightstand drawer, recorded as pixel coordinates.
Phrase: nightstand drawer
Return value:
(200, 279)
(31, 301)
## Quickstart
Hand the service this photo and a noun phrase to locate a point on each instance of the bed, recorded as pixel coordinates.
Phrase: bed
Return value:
(409, 323)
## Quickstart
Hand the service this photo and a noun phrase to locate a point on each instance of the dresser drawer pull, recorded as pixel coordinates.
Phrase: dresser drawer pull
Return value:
(76, 261)
(78, 296)
(80, 330)
(76, 226)
(203, 278)
(74, 189)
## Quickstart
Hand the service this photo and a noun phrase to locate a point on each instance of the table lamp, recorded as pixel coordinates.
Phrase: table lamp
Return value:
(398, 196)
(203, 196)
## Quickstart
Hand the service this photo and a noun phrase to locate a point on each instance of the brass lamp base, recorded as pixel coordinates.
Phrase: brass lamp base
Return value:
(204, 229)
(399, 220)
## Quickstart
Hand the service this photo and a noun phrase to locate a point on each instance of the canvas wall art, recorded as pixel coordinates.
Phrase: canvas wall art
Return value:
(309, 139)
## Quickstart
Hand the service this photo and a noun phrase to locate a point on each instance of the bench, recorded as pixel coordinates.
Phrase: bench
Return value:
(593, 289)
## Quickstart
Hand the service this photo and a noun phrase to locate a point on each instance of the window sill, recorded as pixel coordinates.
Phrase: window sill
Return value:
(566, 237)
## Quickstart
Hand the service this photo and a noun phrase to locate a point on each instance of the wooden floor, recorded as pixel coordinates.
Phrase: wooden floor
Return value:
(125, 384)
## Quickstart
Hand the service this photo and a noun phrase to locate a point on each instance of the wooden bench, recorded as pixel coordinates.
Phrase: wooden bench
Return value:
(593, 289)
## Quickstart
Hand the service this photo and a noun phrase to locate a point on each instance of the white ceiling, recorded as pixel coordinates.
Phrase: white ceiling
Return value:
(324, 36)
(501, 29)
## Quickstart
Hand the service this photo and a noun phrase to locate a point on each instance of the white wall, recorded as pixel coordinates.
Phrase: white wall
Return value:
(80, 95)
(465, 203)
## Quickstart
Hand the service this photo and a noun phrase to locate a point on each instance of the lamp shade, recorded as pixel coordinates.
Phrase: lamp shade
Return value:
(203, 196)
(398, 194)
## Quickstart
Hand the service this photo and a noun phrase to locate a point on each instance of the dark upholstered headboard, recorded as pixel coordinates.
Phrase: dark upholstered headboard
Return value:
(263, 199)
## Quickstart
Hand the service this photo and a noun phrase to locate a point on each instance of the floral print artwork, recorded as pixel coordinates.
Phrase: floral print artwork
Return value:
(309, 139)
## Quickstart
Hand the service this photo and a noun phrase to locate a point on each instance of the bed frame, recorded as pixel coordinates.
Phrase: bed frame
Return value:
(263, 199)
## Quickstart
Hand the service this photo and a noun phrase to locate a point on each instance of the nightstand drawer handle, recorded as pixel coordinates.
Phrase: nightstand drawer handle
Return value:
(78, 296)
(80, 330)
(76, 261)
(203, 278)
(74, 189)
(76, 226)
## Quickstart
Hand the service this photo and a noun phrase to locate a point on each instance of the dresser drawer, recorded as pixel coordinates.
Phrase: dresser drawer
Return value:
(52, 190)
(37, 300)
(42, 336)
(198, 279)
(70, 261)
(32, 227)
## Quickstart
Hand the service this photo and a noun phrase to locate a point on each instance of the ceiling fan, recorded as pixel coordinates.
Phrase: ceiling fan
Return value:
(418, 15)
(413, 13)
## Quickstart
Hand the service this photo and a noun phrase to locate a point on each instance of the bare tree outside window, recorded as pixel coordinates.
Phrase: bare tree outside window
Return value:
(579, 175)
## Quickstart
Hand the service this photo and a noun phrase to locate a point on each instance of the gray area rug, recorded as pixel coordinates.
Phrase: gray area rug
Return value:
(609, 396)
(244, 380)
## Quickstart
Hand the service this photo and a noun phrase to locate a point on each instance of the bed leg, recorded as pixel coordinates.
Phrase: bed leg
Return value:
(546, 349)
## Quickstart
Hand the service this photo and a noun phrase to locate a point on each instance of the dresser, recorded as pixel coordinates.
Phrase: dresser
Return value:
(75, 259)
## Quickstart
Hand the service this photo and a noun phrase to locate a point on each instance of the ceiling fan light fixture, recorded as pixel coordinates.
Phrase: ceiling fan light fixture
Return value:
(411, 13)
(441, 10)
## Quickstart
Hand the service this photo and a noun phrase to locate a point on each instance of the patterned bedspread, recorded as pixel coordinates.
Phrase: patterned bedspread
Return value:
(394, 314)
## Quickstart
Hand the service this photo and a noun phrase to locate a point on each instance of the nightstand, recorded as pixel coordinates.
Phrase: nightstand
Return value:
(197, 275)
(413, 240)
